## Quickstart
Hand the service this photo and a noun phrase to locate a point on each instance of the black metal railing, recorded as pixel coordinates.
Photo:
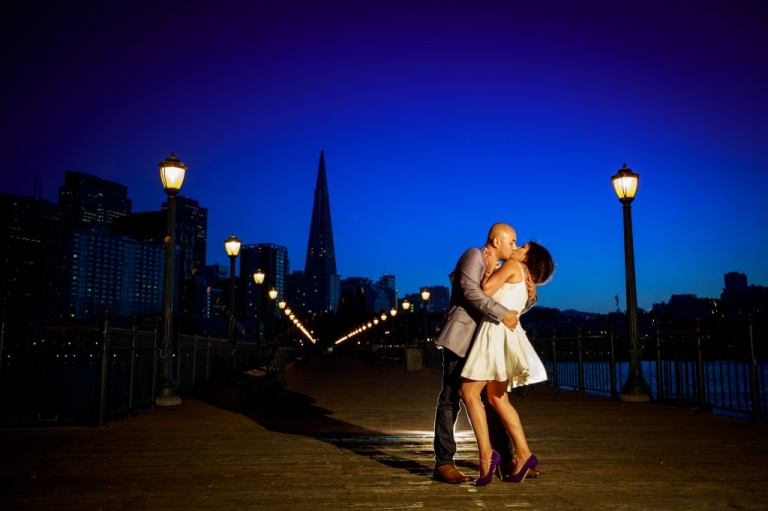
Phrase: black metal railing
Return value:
(129, 371)
(51, 374)
(209, 361)
(723, 371)
(585, 363)
(88, 375)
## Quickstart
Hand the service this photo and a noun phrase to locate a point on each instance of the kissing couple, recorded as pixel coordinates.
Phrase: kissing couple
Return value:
(485, 351)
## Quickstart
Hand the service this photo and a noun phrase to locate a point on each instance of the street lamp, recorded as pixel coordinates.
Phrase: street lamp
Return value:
(272, 297)
(376, 331)
(425, 296)
(383, 326)
(635, 388)
(258, 279)
(232, 246)
(406, 307)
(288, 315)
(370, 332)
(282, 305)
(393, 313)
(172, 173)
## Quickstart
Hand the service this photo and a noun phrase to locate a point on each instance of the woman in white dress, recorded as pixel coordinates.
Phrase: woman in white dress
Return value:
(500, 357)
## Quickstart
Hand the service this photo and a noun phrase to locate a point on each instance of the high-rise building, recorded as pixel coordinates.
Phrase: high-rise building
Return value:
(735, 282)
(215, 275)
(191, 238)
(209, 296)
(320, 282)
(359, 287)
(86, 271)
(379, 296)
(439, 296)
(147, 226)
(386, 284)
(191, 234)
(296, 291)
(740, 301)
(96, 202)
(25, 225)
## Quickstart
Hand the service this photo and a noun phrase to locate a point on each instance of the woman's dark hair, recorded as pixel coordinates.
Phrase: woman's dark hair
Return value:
(539, 262)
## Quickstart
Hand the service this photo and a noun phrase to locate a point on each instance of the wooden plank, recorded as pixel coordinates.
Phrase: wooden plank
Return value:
(344, 435)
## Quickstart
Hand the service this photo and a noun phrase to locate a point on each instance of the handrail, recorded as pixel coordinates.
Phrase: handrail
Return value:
(714, 369)
(89, 374)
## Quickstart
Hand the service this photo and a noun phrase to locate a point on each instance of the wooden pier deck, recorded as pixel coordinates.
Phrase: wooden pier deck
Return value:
(348, 435)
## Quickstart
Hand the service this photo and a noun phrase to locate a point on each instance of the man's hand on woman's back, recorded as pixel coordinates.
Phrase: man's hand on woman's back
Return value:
(510, 319)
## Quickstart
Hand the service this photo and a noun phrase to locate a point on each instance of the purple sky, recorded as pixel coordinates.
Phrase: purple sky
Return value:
(437, 119)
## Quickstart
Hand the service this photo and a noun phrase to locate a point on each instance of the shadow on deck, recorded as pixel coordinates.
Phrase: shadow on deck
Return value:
(344, 434)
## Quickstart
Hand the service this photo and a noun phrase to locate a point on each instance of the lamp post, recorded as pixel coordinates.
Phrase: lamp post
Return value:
(172, 173)
(288, 315)
(232, 246)
(425, 297)
(383, 326)
(281, 305)
(369, 331)
(393, 313)
(635, 388)
(272, 297)
(406, 307)
(258, 279)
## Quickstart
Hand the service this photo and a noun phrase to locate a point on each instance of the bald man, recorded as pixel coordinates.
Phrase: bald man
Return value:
(466, 309)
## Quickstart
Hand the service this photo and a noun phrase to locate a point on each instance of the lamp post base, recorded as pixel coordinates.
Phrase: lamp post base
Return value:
(635, 392)
(167, 401)
(167, 395)
(635, 398)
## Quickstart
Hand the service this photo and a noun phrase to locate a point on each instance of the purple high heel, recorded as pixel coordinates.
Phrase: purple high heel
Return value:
(519, 476)
(488, 478)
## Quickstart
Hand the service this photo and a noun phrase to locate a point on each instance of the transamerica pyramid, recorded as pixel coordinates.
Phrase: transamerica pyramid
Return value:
(322, 281)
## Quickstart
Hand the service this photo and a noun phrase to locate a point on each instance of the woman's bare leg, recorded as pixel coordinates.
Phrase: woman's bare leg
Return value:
(497, 397)
(470, 393)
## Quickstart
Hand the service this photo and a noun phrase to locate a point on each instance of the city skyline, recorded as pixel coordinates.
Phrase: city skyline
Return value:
(436, 119)
(738, 280)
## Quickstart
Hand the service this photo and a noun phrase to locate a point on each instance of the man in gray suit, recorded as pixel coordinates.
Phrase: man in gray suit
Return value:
(467, 307)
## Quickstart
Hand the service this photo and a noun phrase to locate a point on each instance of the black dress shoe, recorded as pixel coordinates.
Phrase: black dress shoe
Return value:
(450, 474)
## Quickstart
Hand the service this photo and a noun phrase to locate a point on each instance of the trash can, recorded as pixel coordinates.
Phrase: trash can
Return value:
(414, 359)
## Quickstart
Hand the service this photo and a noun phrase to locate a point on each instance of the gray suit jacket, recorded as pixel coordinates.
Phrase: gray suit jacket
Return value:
(468, 304)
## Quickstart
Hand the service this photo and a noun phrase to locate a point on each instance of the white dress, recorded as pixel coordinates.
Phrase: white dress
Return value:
(499, 353)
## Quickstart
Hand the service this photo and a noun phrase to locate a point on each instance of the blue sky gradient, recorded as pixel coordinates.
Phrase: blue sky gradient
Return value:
(436, 118)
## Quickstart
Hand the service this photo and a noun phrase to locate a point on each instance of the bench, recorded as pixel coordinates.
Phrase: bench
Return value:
(390, 356)
(265, 377)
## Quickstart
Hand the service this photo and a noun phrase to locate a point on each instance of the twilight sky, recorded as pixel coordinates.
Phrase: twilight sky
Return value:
(437, 118)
